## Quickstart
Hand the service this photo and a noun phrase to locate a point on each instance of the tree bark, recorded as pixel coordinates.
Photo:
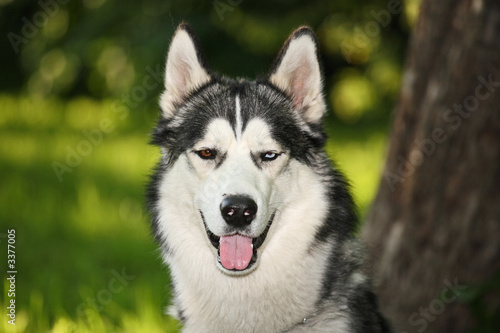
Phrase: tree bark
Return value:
(434, 228)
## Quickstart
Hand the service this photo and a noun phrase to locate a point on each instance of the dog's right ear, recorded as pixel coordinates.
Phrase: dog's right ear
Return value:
(185, 70)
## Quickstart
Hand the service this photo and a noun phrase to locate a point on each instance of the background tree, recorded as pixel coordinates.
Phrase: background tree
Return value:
(434, 227)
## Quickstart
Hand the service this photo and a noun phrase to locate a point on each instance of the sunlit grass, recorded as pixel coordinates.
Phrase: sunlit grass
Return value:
(76, 231)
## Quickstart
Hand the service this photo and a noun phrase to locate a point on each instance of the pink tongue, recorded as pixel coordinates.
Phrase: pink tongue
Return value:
(235, 251)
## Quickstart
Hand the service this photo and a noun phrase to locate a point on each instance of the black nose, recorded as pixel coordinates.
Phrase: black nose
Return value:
(238, 210)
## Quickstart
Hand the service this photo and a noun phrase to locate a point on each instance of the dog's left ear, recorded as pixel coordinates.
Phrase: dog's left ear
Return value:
(296, 71)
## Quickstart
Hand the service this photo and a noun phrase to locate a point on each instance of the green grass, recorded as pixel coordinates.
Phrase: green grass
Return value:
(74, 235)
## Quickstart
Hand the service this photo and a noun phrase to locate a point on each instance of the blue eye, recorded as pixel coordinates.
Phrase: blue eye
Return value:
(269, 156)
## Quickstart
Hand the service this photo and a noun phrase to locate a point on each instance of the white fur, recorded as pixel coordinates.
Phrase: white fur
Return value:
(284, 287)
(237, 175)
(239, 124)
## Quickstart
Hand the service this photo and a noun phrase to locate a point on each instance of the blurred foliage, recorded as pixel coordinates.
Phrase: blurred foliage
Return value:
(104, 48)
(69, 67)
(73, 231)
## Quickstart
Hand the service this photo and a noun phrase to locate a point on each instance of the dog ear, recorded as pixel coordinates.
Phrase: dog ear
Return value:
(296, 71)
(185, 70)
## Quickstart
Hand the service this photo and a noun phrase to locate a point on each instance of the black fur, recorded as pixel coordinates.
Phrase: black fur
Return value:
(305, 142)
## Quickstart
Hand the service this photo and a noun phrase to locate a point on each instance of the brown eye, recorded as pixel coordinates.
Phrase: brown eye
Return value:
(206, 154)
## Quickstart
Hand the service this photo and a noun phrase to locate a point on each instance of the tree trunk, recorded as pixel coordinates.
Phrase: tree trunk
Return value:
(434, 228)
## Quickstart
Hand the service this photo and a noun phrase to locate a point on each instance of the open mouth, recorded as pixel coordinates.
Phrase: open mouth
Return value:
(236, 252)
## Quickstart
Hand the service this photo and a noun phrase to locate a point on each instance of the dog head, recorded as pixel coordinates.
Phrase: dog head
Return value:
(229, 147)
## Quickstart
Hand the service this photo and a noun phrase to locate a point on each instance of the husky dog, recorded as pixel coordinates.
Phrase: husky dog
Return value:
(251, 216)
